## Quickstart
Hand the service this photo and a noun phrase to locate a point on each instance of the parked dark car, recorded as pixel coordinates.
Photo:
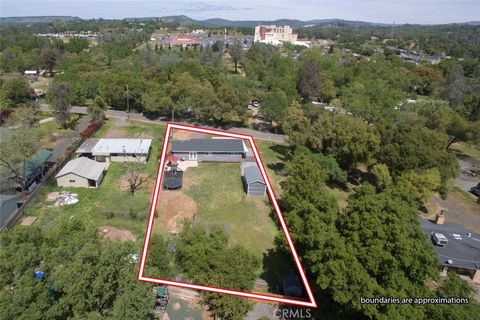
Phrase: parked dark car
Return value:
(476, 190)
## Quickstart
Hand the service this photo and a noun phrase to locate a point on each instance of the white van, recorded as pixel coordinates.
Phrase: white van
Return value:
(439, 239)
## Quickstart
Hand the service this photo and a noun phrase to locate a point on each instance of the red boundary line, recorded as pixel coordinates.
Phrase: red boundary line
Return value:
(158, 182)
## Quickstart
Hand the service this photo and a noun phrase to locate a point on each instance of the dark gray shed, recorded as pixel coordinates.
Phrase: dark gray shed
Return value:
(252, 179)
(8, 207)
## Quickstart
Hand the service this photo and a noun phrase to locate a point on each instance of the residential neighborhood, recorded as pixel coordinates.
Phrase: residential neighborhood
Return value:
(259, 161)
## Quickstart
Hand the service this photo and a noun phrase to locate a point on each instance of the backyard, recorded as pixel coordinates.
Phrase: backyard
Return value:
(212, 193)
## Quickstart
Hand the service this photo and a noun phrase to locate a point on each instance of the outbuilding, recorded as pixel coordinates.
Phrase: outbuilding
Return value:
(81, 173)
(8, 207)
(252, 179)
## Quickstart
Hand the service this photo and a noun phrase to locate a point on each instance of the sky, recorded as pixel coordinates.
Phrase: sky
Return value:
(385, 11)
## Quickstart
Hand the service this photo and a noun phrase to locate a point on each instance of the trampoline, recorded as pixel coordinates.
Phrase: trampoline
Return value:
(172, 179)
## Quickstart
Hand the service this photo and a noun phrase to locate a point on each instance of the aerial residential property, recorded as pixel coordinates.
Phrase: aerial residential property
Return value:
(240, 160)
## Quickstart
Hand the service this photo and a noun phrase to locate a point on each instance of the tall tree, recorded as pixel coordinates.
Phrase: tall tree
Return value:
(49, 58)
(309, 82)
(97, 109)
(61, 104)
(236, 51)
(349, 140)
(17, 145)
(15, 92)
(455, 86)
(272, 105)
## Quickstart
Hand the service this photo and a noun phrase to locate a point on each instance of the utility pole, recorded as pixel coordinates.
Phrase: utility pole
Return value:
(173, 115)
(128, 104)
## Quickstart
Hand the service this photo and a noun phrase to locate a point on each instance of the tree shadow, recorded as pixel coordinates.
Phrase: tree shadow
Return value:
(358, 177)
(285, 151)
(276, 264)
(338, 185)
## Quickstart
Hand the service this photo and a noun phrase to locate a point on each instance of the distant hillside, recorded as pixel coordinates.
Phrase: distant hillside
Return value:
(39, 19)
(183, 20)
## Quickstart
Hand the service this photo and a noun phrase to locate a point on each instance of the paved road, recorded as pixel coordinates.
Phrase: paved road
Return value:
(464, 181)
(64, 143)
(140, 117)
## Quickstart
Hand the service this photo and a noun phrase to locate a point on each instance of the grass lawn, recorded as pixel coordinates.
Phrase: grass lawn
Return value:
(218, 192)
(272, 159)
(467, 149)
(110, 204)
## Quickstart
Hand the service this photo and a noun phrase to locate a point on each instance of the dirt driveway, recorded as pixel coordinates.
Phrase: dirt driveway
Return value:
(458, 209)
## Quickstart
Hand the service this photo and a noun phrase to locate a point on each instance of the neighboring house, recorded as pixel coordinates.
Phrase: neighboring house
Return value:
(8, 207)
(36, 167)
(210, 150)
(252, 179)
(81, 173)
(116, 150)
(460, 252)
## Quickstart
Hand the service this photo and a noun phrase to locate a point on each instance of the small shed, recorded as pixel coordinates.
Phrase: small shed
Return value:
(252, 179)
(8, 207)
(81, 173)
(292, 285)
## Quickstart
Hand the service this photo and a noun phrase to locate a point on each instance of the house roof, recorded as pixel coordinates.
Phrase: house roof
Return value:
(463, 246)
(37, 161)
(208, 145)
(251, 173)
(83, 167)
(104, 147)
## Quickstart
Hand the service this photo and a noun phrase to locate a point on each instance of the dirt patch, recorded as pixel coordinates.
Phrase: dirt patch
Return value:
(143, 135)
(125, 186)
(457, 209)
(176, 306)
(186, 135)
(116, 234)
(173, 207)
(116, 130)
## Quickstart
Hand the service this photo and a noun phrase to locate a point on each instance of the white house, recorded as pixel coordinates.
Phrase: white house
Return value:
(116, 150)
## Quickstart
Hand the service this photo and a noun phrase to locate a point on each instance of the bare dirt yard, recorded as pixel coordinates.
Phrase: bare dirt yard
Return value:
(186, 135)
(116, 234)
(459, 208)
(172, 208)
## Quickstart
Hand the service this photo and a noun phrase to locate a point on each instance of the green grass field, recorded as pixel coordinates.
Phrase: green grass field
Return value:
(217, 189)
(470, 150)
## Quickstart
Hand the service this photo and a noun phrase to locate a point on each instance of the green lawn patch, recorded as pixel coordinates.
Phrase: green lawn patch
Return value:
(218, 192)
(470, 150)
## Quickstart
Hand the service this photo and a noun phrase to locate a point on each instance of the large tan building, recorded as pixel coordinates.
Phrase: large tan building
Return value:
(81, 173)
(273, 34)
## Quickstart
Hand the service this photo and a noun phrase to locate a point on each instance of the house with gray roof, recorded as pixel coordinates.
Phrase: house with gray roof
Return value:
(461, 252)
(116, 150)
(252, 179)
(81, 173)
(210, 150)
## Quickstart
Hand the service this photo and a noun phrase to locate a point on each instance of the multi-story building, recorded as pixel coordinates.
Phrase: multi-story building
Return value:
(274, 33)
